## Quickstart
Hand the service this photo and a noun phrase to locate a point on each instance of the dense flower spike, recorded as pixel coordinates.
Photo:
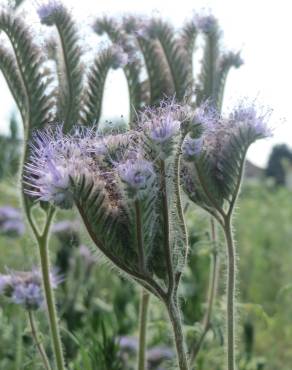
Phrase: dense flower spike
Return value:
(192, 147)
(55, 160)
(162, 126)
(219, 153)
(138, 176)
(231, 58)
(49, 10)
(119, 57)
(247, 115)
(206, 23)
(25, 288)
(206, 115)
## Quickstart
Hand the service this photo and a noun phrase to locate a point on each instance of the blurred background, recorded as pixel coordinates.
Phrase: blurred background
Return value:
(99, 309)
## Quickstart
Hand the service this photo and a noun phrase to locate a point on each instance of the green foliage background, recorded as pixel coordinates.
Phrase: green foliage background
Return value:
(106, 306)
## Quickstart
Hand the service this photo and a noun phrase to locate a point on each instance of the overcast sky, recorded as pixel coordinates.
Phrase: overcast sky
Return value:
(261, 29)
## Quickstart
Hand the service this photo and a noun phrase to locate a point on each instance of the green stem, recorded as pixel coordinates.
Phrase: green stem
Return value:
(213, 282)
(230, 295)
(166, 229)
(42, 240)
(38, 344)
(175, 318)
(143, 316)
(19, 344)
(139, 234)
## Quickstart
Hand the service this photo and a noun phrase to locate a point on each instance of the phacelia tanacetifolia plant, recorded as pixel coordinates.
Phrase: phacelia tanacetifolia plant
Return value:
(212, 170)
(24, 288)
(127, 187)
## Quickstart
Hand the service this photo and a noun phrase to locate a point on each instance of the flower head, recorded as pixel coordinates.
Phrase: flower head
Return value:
(137, 174)
(119, 57)
(231, 58)
(192, 147)
(206, 115)
(49, 10)
(25, 288)
(11, 223)
(55, 160)
(247, 115)
(162, 126)
(206, 23)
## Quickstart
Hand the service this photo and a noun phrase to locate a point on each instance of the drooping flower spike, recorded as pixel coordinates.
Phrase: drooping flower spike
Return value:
(214, 161)
(138, 175)
(206, 23)
(48, 10)
(54, 161)
(162, 125)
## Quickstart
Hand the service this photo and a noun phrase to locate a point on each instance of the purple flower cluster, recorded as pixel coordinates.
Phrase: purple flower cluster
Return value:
(247, 115)
(218, 131)
(25, 288)
(206, 23)
(119, 57)
(11, 222)
(55, 160)
(162, 125)
(49, 10)
(192, 147)
(206, 115)
(137, 174)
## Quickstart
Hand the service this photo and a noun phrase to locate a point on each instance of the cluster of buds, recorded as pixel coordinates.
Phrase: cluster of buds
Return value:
(25, 288)
(215, 158)
(108, 174)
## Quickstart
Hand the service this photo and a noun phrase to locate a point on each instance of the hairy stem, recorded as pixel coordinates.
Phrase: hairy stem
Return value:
(213, 282)
(18, 344)
(38, 344)
(230, 295)
(143, 316)
(166, 229)
(42, 240)
(139, 234)
(175, 318)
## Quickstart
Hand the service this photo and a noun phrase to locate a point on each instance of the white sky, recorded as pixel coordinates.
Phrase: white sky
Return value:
(260, 28)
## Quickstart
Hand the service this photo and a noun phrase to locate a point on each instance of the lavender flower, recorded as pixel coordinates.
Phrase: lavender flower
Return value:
(138, 175)
(163, 126)
(119, 57)
(49, 10)
(128, 343)
(164, 129)
(8, 213)
(11, 223)
(192, 147)
(141, 27)
(55, 160)
(206, 115)
(206, 23)
(25, 288)
(246, 115)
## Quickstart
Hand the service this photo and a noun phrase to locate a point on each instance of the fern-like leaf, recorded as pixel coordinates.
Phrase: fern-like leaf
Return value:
(132, 70)
(208, 74)
(69, 66)
(29, 60)
(226, 62)
(96, 82)
(176, 56)
(9, 69)
(187, 40)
